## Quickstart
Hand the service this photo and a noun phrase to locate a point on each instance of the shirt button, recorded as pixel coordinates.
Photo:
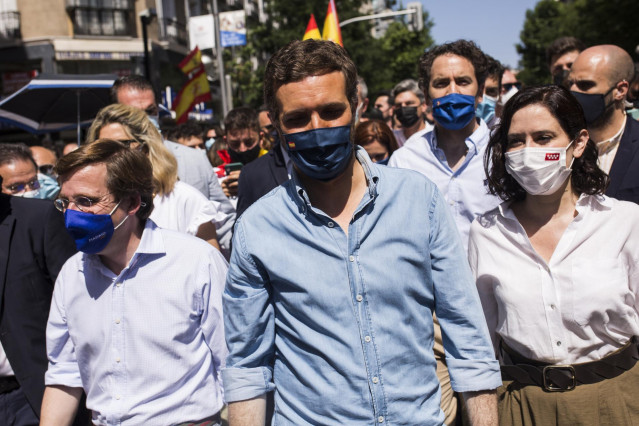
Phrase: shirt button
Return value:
(359, 298)
(375, 380)
(380, 419)
(117, 321)
(117, 360)
(367, 338)
(331, 224)
(558, 343)
(351, 258)
(552, 307)
(118, 285)
(117, 397)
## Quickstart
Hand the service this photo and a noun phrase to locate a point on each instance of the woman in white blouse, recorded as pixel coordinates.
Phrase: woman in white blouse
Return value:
(176, 205)
(557, 270)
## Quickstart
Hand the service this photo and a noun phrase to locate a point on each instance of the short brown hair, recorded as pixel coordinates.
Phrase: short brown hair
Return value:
(465, 49)
(129, 171)
(241, 118)
(561, 46)
(300, 59)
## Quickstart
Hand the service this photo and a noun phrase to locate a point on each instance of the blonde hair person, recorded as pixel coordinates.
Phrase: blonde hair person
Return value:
(178, 206)
(140, 130)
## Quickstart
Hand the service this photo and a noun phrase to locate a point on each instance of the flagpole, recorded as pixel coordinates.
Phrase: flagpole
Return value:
(220, 60)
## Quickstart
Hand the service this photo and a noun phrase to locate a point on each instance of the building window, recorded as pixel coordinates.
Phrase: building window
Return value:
(102, 17)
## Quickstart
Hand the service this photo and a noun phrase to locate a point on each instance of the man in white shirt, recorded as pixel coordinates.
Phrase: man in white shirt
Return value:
(409, 107)
(136, 317)
(600, 79)
(452, 78)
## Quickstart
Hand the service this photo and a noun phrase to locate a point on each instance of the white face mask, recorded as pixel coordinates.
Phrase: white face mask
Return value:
(540, 171)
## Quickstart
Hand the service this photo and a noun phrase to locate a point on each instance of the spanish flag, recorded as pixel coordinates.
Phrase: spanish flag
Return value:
(191, 62)
(312, 32)
(195, 91)
(332, 31)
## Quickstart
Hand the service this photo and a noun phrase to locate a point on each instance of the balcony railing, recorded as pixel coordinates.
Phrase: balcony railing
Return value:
(175, 30)
(10, 25)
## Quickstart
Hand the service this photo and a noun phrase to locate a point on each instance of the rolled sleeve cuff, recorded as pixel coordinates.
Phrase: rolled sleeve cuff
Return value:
(63, 374)
(241, 384)
(474, 375)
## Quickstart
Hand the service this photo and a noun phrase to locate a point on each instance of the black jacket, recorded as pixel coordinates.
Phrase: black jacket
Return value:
(259, 177)
(624, 173)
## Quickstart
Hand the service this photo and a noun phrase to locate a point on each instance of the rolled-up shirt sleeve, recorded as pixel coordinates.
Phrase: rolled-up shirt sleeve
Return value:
(469, 353)
(249, 326)
(63, 364)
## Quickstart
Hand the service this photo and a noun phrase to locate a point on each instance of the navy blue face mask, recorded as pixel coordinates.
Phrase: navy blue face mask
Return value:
(454, 111)
(91, 232)
(321, 154)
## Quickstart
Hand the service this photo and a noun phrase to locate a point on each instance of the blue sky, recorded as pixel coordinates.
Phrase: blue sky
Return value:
(493, 24)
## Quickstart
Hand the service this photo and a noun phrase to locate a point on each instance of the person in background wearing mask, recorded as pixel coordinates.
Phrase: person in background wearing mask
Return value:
(489, 108)
(33, 247)
(561, 54)
(45, 159)
(452, 77)
(600, 79)
(557, 270)
(377, 139)
(382, 103)
(242, 135)
(19, 171)
(193, 165)
(409, 109)
(509, 85)
(315, 309)
(136, 316)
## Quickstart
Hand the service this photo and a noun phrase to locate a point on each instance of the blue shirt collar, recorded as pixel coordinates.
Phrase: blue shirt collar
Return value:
(370, 171)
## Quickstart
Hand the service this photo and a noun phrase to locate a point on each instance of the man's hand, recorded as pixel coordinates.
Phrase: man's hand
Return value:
(251, 412)
(59, 405)
(230, 184)
(481, 408)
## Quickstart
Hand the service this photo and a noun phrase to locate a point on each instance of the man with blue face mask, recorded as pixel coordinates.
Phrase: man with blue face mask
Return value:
(329, 300)
(489, 109)
(135, 318)
(452, 77)
(19, 171)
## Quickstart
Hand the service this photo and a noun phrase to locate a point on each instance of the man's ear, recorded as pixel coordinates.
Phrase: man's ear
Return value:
(622, 90)
(135, 202)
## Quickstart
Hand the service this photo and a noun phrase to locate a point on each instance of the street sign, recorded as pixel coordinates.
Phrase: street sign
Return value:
(233, 28)
(201, 32)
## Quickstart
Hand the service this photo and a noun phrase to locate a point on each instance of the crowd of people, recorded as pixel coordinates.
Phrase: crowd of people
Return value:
(460, 249)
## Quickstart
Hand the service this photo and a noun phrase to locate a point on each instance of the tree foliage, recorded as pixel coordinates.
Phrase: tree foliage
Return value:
(382, 62)
(593, 21)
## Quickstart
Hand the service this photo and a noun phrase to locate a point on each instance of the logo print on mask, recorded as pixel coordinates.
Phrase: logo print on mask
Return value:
(552, 156)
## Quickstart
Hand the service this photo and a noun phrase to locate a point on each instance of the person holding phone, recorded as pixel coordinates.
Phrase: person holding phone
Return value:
(243, 136)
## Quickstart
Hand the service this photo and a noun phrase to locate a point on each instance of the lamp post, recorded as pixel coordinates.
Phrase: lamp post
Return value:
(146, 16)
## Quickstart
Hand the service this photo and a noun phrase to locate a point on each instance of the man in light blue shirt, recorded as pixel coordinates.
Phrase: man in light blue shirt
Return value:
(136, 316)
(452, 77)
(335, 275)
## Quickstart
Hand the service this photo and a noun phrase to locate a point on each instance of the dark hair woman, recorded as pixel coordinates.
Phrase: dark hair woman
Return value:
(557, 270)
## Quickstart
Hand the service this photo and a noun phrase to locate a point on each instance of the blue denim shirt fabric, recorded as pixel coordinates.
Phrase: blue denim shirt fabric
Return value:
(343, 323)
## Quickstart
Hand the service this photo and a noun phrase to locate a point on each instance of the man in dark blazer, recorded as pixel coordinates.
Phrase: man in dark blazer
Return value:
(260, 176)
(599, 79)
(34, 245)
(624, 174)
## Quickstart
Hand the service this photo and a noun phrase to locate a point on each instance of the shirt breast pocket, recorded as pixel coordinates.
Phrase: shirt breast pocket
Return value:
(598, 288)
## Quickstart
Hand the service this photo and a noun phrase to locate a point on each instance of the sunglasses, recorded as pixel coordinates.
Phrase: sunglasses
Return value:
(17, 188)
(507, 86)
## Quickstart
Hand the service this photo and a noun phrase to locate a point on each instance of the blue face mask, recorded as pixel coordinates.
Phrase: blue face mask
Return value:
(321, 154)
(48, 187)
(209, 143)
(486, 109)
(454, 111)
(383, 162)
(155, 119)
(91, 232)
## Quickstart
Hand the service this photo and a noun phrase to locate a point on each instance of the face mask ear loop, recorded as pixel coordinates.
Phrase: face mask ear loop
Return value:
(573, 157)
(112, 211)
